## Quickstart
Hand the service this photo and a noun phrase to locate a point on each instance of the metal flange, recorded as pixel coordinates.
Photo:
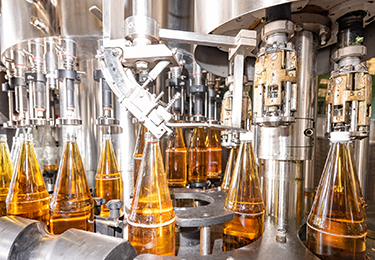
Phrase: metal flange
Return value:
(280, 26)
(349, 51)
(202, 216)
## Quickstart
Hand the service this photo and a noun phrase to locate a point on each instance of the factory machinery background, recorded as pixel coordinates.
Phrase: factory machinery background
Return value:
(286, 75)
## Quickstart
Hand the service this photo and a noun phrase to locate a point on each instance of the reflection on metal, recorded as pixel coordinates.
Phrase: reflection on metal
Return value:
(266, 247)
(22, 238)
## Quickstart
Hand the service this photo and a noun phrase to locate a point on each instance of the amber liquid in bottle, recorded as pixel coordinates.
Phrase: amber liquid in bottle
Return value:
(71, 203)
(151, 218)
(139, 147)
(28, 196)
(245, 200)
(176, 154)
(229, 169)
(198, 157)
(336, 227)
(213, 154)
(108, 178)
(6, 170)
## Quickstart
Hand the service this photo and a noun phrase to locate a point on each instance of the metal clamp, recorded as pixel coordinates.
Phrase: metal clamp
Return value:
(349, 51)
(280, 26)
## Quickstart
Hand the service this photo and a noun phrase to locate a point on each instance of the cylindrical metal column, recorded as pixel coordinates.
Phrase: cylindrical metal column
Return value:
(205, 240)
(306, 43)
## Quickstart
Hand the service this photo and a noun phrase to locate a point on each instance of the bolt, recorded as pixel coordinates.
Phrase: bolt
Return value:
(281, 236)
(115, 52)
(323, 32)
(298, 27)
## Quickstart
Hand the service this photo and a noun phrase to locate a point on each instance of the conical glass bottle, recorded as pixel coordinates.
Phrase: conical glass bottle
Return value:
(213, 154)
(28, 196)
(229, 169)
(38, 149)
(50, 154)
(6, 170)
(151, 218)
(108, 178)
(16, 144)
(245, 199)
(138, 151)
(71, 204)
(176, 154)
(336, 227)
(198, 158)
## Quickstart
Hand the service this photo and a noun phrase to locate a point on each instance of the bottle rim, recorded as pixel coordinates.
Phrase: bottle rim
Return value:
(3, 138)
(70, 137)
(340, 136)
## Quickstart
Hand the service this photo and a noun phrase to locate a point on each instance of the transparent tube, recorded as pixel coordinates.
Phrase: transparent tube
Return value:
(6, 170)
(151, 218)
(336, 227)
(245, 199)
(108, 179)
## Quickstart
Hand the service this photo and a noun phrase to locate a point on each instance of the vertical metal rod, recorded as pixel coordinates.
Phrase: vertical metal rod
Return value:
(360, 155)
(237, 90)
(288, 96)
(31, 99)
(205, 240)
(354, 116)
(142, 7)
(48, 105)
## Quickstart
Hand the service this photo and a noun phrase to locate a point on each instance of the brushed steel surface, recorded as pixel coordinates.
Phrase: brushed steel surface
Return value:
(265, 247)
(16, 15)
(29, 239)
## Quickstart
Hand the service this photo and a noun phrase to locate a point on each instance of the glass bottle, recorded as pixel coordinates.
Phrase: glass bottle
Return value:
(198, 158)
(336, 227)
(245, 199)
(16, 144)
(139, 147)
(6, 170)
(71, 204)
(38, 149)
(28, 196)
(108, 178)
(229, 169)
(151, 218)
(176, 154)
(213, 154)
(49, 158)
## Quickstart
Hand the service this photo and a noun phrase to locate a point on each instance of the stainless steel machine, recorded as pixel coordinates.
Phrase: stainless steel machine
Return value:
(94, 59)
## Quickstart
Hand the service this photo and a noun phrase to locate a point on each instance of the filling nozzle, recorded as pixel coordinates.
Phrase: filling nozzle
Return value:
(68, 77)
(275, 83)
(16, 69)
(198, 93)
(348, 100)
(176, 84)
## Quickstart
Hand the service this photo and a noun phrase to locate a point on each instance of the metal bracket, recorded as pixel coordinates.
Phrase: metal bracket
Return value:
(141, 103)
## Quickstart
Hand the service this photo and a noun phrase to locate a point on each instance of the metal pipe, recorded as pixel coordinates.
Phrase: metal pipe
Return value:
(237, 90)
(205, 241)
(142, 7)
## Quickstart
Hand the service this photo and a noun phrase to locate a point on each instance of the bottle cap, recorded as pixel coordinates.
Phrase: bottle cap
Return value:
(107, 137)
(71, 137)
(340, 137)
(248, 136)
(26, 137)
(3, 137)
